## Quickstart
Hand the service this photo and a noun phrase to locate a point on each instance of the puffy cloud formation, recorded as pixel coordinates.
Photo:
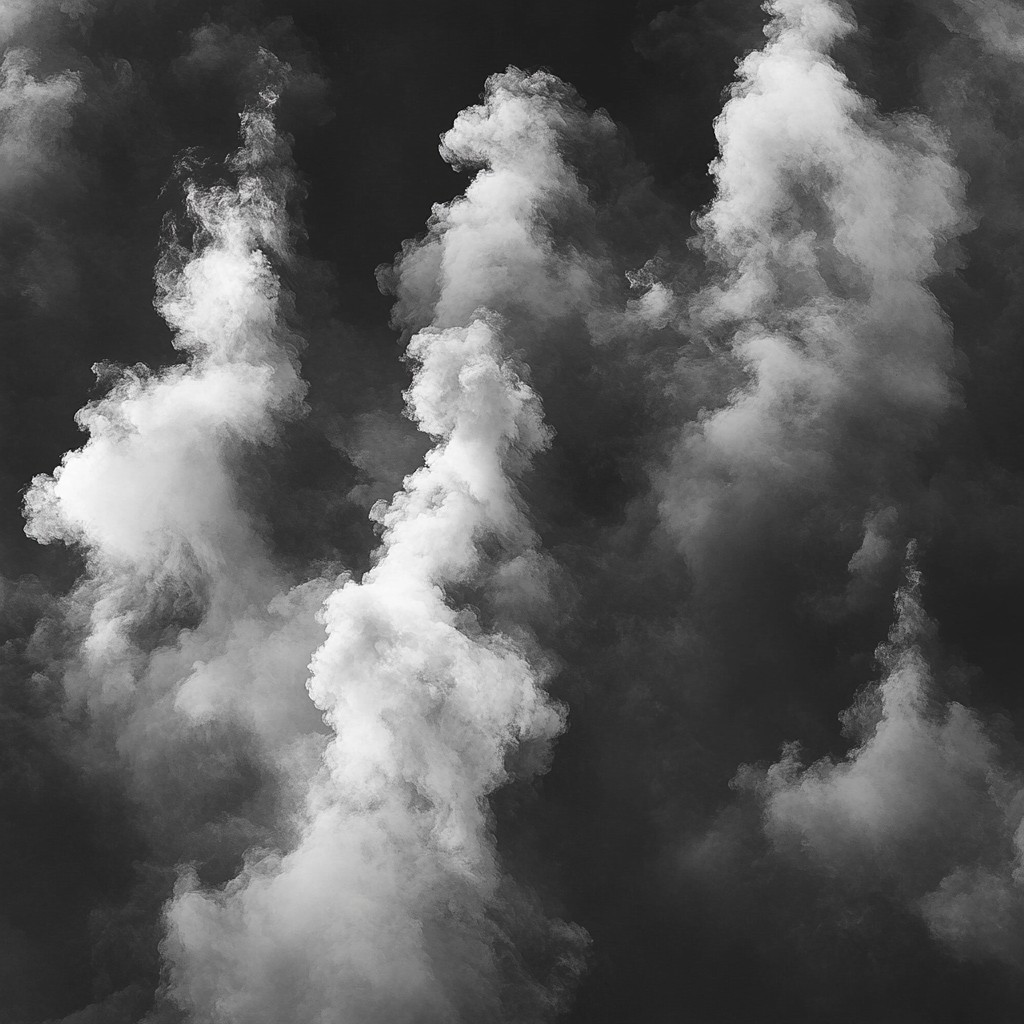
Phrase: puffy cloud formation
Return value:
(496, 246)
(829, 220)
(635, 521)
(184, 644)
(393, 905)
(152, 497)
(926, 805)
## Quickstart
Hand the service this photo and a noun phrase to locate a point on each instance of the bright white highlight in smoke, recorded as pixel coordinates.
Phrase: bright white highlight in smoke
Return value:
(828, 221)
(392, 905)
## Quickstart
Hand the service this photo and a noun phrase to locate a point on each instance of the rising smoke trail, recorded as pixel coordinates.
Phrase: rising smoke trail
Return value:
(829, 220)
(694, 544)
(183, 649)
(152, 498)
(393, 905)
(821, 369)
(926, 805)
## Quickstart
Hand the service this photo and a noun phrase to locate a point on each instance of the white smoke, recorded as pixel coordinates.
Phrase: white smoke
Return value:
(393, 906)
(829, 220)
(926, 806)
(495, 247)
(382, 910)
(184, 626)
(330, 744)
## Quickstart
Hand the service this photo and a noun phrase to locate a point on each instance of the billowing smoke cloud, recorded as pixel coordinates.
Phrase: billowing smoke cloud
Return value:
(925, 809)
(497, 247)
(393, 905)
(926, 805)
(151, 498)
(186, 646)
(635, 524)
(828, 222)
(833, 225)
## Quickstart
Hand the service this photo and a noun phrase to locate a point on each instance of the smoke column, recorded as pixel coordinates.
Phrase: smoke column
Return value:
(828, 221)
(387, 906)
(392, 906)
(925, 804)
(186, 646)
(839, 260)
(604, 609)
(151, 497)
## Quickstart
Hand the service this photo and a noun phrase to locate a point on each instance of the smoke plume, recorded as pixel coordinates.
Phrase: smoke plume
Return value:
(926, 805)
(507, 633)
(393, 904)
(828, 222)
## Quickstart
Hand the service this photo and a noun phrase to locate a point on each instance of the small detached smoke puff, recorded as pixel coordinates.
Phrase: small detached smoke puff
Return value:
(926, 806)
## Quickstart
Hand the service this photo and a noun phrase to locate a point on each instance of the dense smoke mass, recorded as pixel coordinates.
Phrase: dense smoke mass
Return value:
(511, 513)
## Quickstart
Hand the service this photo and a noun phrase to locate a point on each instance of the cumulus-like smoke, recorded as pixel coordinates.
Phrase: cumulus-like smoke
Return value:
(925, 808)
(832, 227)
(926, 804)
(500, 246)
(634, 524)
(152, 497)
(186, 647)
(828, 222)
(393, 905)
